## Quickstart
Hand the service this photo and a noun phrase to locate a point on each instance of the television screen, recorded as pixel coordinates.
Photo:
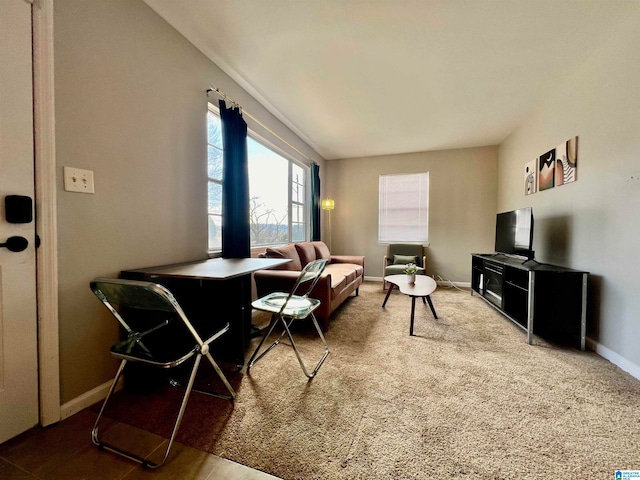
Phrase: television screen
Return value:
(514, 232)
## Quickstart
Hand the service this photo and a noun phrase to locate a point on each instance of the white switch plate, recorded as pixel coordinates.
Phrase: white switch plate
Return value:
(78, 180)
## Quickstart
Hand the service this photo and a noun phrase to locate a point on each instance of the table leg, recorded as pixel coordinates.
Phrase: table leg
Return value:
(413, 311)
(391, 285)
(433, 310)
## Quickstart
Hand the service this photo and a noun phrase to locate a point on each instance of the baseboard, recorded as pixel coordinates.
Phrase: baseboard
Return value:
(87, 399)
(449, 283)
(621, 362)
(441, 283)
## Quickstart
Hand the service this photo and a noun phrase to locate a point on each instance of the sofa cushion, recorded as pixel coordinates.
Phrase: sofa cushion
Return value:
(404, 259)
(347, 270)
(338, 282)
(285, 251)
(306, 252)
(322, 251)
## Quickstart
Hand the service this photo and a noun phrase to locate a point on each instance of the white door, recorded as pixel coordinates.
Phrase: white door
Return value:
(18, 317)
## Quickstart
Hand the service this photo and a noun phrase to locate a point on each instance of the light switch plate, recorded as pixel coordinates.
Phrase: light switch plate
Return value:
(78, 180)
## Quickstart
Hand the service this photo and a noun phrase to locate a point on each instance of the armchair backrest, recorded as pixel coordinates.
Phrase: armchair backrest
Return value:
(406, 249)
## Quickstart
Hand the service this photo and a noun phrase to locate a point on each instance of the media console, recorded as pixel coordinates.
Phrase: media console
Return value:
(542, 299)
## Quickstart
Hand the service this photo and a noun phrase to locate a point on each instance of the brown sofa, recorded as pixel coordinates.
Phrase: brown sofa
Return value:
(342, 276)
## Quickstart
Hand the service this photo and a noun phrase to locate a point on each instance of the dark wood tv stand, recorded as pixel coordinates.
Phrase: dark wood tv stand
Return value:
(542, 299)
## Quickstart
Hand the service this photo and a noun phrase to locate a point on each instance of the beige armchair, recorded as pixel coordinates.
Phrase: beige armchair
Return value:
(399, 255)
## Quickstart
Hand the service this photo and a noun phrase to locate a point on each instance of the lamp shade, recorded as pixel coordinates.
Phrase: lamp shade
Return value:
(328, 204)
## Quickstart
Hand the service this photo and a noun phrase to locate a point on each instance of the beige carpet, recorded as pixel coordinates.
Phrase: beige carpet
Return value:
(464, 398)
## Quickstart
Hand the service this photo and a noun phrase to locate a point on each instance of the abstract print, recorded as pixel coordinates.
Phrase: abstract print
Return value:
(530, 177)
(546, 170)
(566, 161)
(554, 168)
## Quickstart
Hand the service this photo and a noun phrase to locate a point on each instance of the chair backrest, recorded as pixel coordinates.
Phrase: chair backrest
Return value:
(305, 282)
(308, 277)
(134, 295)
(406, 249)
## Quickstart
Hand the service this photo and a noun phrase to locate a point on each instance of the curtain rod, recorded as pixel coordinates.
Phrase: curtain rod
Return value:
(224, 96)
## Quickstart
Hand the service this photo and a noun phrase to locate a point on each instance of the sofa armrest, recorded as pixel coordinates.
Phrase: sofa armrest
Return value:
(355, 259)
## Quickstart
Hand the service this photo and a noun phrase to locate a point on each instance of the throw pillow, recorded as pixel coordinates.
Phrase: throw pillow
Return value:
(322, 251)
(404, 259)
(285, 251)
(306, 252)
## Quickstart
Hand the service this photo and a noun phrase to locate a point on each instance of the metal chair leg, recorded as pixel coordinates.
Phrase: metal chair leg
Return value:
(183, 405)
(253, 360)
(95, 430)
(232, 392)
(131, 456)
(295, 349)
(286, 331)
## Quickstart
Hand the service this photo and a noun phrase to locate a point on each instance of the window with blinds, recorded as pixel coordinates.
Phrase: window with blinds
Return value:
(403, 208)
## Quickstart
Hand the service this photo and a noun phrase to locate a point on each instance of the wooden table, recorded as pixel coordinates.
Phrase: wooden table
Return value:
(423, 287)
(213, 291)
(212, 268)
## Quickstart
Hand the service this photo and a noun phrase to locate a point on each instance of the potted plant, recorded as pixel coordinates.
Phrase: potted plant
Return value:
(410, 270)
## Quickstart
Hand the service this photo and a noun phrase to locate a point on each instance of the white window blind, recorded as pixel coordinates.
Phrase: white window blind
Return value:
(403, 209)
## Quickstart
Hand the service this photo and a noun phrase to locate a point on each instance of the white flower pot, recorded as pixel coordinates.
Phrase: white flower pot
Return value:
(411, 278)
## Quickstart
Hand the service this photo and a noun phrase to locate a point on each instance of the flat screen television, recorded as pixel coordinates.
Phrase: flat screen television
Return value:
(514, 233)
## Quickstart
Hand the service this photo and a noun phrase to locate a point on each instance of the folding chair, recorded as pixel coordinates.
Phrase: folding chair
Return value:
(159, 335)
(287, 307)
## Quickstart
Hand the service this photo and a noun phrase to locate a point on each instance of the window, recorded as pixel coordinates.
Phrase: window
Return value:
(298, 204)
(278, 196)
(403, 208)
(214, 174)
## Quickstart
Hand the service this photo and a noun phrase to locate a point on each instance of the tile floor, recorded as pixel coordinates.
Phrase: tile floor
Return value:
(65, 451)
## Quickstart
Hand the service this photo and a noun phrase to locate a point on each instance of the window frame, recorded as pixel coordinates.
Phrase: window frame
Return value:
(306, 169)
(213, 251)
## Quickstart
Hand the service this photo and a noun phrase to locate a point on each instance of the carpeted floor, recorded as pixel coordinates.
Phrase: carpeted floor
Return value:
(464, 398)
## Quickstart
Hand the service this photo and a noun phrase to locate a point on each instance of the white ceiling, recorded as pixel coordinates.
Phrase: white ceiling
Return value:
(371, 77)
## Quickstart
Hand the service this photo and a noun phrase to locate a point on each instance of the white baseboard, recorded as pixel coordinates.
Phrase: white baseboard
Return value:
(449, 283)
(621, 362)
(441, 283)
(87, 399)
(372, 279)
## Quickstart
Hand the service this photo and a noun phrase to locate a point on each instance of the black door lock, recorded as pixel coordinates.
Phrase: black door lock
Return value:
(18, 209)
(15, 244)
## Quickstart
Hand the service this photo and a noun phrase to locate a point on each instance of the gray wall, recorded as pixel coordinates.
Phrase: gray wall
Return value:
(131, 106)
(594, 223)
(462, 206)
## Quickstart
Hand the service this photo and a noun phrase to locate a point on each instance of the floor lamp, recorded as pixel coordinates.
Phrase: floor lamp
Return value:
(328, 204)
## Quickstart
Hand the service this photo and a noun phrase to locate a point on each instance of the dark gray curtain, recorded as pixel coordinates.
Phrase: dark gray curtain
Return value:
(315, 202)
(235, 185)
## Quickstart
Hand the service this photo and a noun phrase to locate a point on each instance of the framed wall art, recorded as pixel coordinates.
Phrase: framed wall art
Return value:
(531, 177)
(554, 168)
